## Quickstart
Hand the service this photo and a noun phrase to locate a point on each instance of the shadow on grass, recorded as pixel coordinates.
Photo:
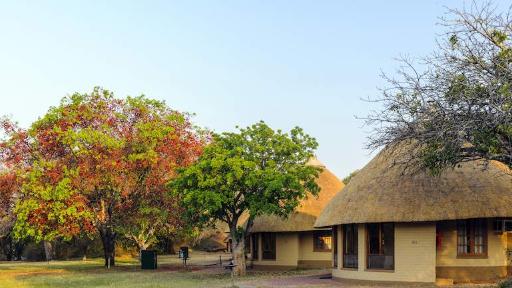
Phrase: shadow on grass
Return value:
(91, 273)
(126, 274)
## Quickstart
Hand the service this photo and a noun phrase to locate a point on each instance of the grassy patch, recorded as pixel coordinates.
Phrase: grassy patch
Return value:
(91, 274)
(203, 271)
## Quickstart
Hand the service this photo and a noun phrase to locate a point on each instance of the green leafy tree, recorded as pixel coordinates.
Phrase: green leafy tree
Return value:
(253, 172)
(457, 106)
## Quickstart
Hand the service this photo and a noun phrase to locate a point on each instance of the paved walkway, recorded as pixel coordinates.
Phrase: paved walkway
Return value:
(321, 281)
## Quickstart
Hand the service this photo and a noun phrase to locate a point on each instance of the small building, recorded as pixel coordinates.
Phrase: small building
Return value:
(396, 224)
(293, 242)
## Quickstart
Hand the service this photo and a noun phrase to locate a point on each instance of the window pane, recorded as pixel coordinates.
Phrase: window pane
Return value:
(322, 241)
(471, 237)
(247, 245)
(254, 246)
(269, 246)
(350, 246)
(388, 236)
(373, 239)
(380, 246)
(326, 242)
(462, 238)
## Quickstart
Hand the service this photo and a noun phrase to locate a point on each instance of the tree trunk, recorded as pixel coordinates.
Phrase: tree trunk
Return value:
(83, 245)
(238, 245)
(18, 246)
(167, 245)
(170, 247)
(6, 242)
(48, 250)
(108, 238)
(84, 251)
(238, 253)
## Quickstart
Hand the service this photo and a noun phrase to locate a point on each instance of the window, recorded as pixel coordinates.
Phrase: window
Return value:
(229, 245)
(335, 246)
(247, 245)
(322, 241)
(472, 237)
(501, 225)
(350, 246)
(254, 243)
(269, 246)
(380, 238)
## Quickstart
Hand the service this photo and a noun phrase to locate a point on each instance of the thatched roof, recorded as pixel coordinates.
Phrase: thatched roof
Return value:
(384, 191)
(304, 217)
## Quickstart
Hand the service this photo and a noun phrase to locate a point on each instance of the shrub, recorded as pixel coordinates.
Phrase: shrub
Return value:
(507, 283)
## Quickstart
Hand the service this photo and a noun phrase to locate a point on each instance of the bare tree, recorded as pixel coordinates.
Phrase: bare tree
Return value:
(454, 105)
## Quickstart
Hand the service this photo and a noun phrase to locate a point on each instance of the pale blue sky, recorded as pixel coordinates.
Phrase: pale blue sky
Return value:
(305, 63)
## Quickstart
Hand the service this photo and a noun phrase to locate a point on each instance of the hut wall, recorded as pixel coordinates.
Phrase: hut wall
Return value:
(308, 258)
(287, 251)
(415, 258)
(463, 269)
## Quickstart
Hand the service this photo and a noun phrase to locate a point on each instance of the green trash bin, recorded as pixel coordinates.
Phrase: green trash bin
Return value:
(148, 259)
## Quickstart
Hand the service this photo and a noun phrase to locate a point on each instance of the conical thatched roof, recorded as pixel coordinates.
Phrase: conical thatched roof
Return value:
(383, 191)
(305, 216)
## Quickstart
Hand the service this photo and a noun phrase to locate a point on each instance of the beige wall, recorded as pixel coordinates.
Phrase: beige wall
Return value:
(447, 254)
(294, 249)
(306, 251)
(415, 255)
(417, 259)
(287, 251)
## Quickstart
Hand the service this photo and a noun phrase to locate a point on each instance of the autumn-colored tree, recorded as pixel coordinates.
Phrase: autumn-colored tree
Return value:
(7, 216)
(96, 163)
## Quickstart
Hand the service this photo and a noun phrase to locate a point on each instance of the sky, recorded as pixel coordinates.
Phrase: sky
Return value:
(288, 63)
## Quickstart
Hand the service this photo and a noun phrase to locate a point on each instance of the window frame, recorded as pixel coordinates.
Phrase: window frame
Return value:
(316, 238)
(381, 246)
(355, 228)
(485, 233)
(273, 251)
(335, 246)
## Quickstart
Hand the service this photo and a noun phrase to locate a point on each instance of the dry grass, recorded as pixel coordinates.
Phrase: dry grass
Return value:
(201, 272)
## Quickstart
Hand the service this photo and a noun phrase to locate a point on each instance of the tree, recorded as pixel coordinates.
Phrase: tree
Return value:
(253, 172)
(94, 162)
(150, 222)
(8, 190)
(347, 179)
(457, 106)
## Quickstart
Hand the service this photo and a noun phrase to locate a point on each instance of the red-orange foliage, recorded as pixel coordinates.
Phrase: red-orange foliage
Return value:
(97, 162)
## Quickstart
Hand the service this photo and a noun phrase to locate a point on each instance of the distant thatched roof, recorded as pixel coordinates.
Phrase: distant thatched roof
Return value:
(309, 209)
(384, 192)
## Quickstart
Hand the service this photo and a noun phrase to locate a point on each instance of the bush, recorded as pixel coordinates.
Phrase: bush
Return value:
(77, 248)
(505, 283)
(33, 252)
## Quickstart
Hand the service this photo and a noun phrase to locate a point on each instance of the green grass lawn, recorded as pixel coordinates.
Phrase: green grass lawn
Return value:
(127, 274)
(202, 272)
(91, 273)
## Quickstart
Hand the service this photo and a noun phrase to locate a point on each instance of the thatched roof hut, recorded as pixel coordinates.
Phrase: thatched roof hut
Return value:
(304, 217)
(385, 191)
